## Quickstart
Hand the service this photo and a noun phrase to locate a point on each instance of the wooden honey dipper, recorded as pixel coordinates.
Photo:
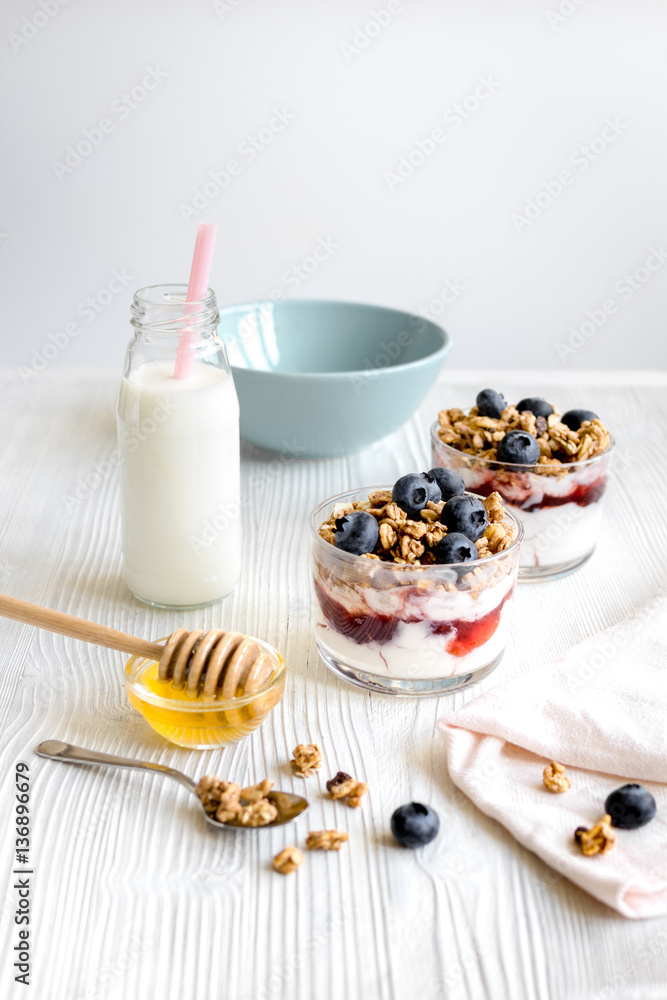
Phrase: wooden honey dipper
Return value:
(215, 664)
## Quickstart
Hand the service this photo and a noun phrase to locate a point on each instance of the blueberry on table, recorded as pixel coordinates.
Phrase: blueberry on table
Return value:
(450, 483)
(537, 406)
(575, 418)
(414, 825)
(411, 493)
(455, 548)
(630, 807)
(490, 403)
(356, 532)
(466, 515)
(518, 448)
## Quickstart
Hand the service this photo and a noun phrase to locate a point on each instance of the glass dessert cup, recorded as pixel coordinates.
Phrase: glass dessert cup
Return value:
(561, 514)
(413, 630)
(192, 722)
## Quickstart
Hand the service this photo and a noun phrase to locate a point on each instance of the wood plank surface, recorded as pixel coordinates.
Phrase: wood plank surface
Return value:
(135, 897)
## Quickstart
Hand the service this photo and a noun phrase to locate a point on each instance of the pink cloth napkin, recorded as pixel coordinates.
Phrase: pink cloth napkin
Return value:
(602, 711)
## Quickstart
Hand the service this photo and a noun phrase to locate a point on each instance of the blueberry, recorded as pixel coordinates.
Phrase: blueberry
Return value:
(414, 825)
(519, 448)
(538, 406)
(433, 486)
(490, 403)
(466, 515)
(455, 548)
(411, 493)
(450, 483)
(575, 418)
(630, 807)
(356, 532)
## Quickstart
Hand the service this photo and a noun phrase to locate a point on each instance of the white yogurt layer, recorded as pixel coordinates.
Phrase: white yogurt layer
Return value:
(414, 652)
(552, 535)
(558, 535)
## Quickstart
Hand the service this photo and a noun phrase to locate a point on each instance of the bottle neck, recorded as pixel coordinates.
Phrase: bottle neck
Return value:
(162, 311)
(160, 317)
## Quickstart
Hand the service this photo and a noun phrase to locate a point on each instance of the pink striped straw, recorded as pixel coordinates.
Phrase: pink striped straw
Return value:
(197, 288)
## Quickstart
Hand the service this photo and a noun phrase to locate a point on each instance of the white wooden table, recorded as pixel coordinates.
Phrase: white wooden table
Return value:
(134, 897)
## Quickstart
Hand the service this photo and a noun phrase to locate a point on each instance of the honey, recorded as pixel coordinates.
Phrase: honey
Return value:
(189, 720)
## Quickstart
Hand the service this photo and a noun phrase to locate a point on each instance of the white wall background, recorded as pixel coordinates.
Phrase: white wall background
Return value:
(360, 99)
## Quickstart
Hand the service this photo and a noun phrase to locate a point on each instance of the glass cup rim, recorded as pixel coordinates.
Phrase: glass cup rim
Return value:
(135, 666)
(517, 466)
(349, 557)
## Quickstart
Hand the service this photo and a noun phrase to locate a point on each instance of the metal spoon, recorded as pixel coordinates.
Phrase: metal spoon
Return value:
(56, 750)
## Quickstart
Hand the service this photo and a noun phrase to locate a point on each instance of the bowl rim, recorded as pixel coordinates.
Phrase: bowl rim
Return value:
(518, 467)
(372, 564)
(199, 705)
(441, 351)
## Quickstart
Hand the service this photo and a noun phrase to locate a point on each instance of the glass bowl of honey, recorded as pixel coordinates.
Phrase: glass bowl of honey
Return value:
(189, 720)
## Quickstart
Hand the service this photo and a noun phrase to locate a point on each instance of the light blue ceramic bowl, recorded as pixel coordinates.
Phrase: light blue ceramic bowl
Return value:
(316, 379)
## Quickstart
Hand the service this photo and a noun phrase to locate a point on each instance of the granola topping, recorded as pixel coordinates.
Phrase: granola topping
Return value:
(559, 445)
(411, 542)
(326, 840)
(288, 860)
(555, 779)
(598, 840)
(307, 759)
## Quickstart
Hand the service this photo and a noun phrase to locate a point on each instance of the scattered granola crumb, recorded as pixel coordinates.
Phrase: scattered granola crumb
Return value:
(288, 860)
(338, 780)
(326, 840)
(555, 778)
(598, 840)
(347, 788)
(307, 759)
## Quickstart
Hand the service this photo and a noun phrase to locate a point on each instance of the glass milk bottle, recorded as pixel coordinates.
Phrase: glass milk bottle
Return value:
(178, 441)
